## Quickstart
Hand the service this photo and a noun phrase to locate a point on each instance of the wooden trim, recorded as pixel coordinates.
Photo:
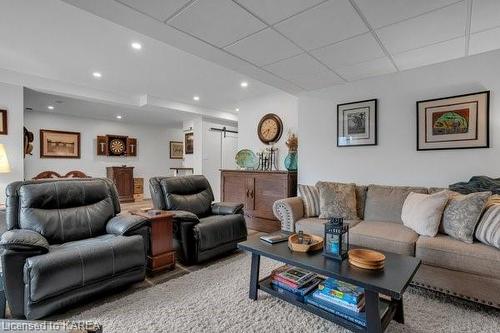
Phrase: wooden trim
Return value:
(42, 131)
(4, 121)
(53, 174)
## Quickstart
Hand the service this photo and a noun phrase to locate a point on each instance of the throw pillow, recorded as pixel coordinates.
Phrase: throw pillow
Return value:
(337, 200)
(310, 197)
(422, 212)
(462, 214)
(488, 229)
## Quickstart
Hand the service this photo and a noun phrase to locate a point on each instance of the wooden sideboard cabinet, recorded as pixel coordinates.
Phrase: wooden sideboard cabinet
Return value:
(258, 190)
(123, 177)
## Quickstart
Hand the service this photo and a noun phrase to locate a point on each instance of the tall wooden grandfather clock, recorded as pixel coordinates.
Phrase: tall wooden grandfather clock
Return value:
(123, 177)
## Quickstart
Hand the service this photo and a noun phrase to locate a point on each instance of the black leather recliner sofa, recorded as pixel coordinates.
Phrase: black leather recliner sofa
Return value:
(65, 243)
(202, 229)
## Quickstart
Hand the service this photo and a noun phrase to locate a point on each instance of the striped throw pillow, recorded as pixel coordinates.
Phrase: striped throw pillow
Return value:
(310, 197)
(488, 228)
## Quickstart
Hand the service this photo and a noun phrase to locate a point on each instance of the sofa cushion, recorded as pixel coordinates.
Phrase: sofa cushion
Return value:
(316, 226)
(488, 228)
(192, 194)
(446, 252)
(310, 197)
(67, 210)
(384, 236)
(76, 264)
(423, 212)
(337, 200)
(462, 214)
(385, 203)
(216, 230)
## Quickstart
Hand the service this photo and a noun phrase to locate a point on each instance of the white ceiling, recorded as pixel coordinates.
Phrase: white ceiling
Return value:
(36, 101)
(55, 41)
(309, 44)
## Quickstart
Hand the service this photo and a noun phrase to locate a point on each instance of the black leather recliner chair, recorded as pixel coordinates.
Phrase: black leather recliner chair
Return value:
(202, 230)
(65, 244)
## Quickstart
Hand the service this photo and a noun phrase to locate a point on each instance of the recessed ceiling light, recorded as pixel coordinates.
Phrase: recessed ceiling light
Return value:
(237, 109)
(136, 46)
(196, 98)
(50, 107)
(118, 117)
(97, 75)
(244, 84)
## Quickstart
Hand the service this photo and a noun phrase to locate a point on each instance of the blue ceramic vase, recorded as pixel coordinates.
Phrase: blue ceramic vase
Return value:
(291, 161)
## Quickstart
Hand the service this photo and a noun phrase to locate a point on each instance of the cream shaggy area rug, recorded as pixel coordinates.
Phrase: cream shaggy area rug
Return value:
(215, 299)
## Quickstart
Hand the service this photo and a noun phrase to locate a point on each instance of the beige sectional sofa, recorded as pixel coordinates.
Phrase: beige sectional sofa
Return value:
(470, 271)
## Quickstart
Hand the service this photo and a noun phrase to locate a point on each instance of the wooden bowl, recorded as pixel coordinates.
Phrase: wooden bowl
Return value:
(316, 243)
(366, 266)
(367, 259)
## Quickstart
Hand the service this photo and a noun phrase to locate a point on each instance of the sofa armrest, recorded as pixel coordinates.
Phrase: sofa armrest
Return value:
(184, 216)
(22, 240)
(289, 211)
(124, 224)
(227, 208)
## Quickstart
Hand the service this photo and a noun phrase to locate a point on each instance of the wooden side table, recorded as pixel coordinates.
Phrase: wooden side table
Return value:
(162, 252)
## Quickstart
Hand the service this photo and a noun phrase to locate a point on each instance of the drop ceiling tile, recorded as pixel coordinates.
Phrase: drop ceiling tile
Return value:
(431, 54)
(350, 51)
(485, 15)
(264, 47)
(327, 23)
(219, 22)
(440, 25)
(305, 71)
(366, 69)
(484, 41)
(383, 12)
(276, 10)
(159, 9)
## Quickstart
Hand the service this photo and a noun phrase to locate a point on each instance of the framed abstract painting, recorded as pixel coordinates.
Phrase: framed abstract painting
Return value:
(357, 123)
(457, 122)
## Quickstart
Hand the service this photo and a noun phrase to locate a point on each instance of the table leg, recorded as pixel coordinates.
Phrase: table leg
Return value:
(399, 316)
(254, 276)
(373, 322)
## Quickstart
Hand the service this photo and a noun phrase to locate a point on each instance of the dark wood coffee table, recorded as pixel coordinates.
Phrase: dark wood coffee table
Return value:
(161, 255)
(392, 281)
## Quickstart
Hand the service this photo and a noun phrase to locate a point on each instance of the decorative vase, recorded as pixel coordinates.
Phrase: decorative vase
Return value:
(291, 161)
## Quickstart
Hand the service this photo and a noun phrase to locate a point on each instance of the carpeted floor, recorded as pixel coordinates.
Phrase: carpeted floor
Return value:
(215, 299)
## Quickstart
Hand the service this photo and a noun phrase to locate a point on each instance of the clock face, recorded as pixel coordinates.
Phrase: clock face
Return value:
(117, 146)
(270, 128)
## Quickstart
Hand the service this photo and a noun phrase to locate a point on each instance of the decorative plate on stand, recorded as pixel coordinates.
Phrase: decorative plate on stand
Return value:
(246, 159)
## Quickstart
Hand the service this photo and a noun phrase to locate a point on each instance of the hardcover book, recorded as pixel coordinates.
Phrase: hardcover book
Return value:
(342, 290)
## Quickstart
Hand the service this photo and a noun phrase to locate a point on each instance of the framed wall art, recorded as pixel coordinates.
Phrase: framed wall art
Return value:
(176, 150)
(189, 143)
(3, 122)
(357, 123)
(59, 144)
(457, 122)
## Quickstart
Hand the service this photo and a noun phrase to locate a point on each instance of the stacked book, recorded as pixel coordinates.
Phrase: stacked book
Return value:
(295, 281)
(340, 298)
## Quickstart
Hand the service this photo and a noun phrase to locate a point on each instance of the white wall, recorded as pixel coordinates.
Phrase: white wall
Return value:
(252, 110)
(153, 157)
(194, 160)
(395, 159)
(11, 99)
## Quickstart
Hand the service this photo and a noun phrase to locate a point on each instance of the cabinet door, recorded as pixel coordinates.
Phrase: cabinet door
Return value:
(124, 182)
(250, 193)
(268, 189)
(233, 188)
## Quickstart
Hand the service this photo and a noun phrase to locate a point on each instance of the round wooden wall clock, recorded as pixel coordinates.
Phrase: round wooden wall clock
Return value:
(270, 128)
(117, 146)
